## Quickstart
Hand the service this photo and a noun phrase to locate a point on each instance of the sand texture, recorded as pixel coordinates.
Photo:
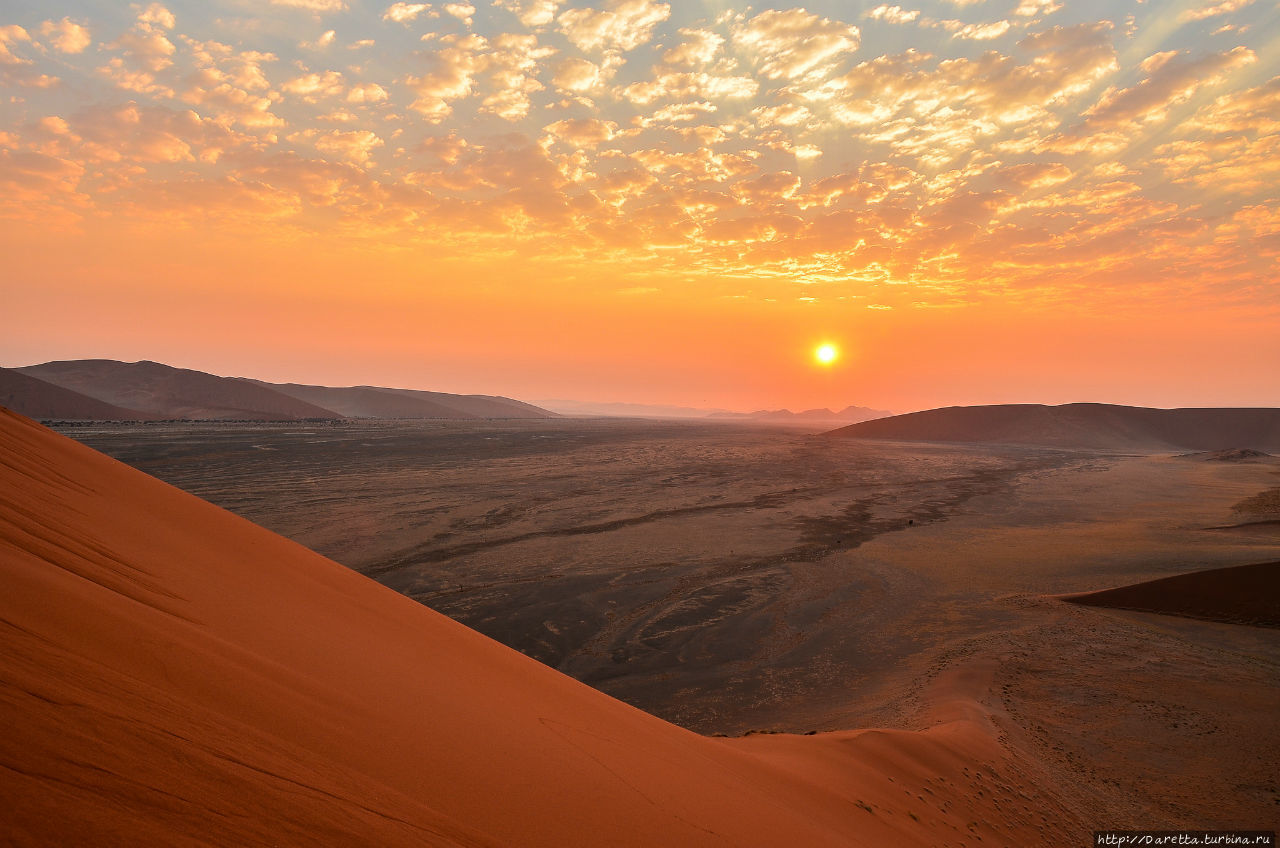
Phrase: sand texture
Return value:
(173, 674)
(734, 578)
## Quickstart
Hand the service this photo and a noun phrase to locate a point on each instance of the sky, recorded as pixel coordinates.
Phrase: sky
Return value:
(972, 201)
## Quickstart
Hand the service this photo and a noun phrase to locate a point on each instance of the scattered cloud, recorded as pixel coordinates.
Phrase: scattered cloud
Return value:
(893, 14)
(403, 13)
(1212, 10)
(354, 146)
(368, 92)
(312, 87)
(318, 6)
(776, 139)
(582, 132)
(532, 13)
(795, 43)
(461, 11)
(621, 25)
(66, 35)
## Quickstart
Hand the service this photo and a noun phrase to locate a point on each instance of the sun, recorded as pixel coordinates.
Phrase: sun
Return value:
(826, 354)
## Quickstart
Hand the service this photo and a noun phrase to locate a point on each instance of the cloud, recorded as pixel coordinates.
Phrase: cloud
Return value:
(147, 44)
(795, 43)
(325, 41)
(698, 48)
(368, 92)
(1230, 145)
(1210, 10)
(142, 133)
(933, 111)
(312, 87)
(892, 14)
(461, 11)
(16, 69)
(976, 32)
(231, 84)
(691, 84)
(66, 35)
(27, 177)
(1032, 8)
(1173, 79)
(576, 74)
(318, 6)
(532, 13)
(451, 77)
(621, 25)
(157, 15)
(767, 188)
(507, 65)
(403, 13)
(354, 146)
(582, 132)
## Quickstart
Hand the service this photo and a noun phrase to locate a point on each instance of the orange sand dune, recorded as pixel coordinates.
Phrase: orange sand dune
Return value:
(172, 674)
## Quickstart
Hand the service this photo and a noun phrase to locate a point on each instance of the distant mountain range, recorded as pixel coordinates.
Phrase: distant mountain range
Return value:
(1095, 426)
(817, 416)
(104, 389)
(644, 410)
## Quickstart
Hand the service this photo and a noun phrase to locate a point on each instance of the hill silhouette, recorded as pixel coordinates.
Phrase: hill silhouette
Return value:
(380, 402)
(105, 389)
(1095, 426)
(169, 392)
(36, 398)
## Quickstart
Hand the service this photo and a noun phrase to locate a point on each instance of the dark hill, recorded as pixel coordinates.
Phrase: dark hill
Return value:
(1241, 594)
(1082, 425)
(34, 398)
(380, 402)
(170, 392)
(151, 390)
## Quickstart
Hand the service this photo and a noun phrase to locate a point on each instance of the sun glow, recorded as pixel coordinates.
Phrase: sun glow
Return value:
(826, 354)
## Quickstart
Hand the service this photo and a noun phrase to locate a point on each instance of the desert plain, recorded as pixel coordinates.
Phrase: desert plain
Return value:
(762, 583)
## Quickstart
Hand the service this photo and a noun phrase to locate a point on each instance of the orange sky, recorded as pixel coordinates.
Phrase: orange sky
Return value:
(977, 201)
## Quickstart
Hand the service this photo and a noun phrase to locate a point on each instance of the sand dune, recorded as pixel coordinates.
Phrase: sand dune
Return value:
(366, 402)
(170, 392)
(380, 402)
(152, 390)
(1242, 594)
(41, 400)
(176, 675)
(1082, 425)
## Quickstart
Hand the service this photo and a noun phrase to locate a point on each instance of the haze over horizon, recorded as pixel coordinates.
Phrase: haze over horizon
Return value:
(974, 201)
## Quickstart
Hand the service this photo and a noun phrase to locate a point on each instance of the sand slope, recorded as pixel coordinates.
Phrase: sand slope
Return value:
(365, 402)
(41, 400)
(380, 402)
(1082, 425)
(1241, 594)
(172, 674)
(174, 392)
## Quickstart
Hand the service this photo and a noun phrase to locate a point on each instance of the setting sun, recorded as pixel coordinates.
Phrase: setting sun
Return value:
(826, 354)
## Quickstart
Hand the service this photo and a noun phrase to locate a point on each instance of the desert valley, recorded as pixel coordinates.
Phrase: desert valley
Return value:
(893, 636)
(639, 424)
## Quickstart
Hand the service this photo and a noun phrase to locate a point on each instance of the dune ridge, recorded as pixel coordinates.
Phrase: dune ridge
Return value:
(1094, 426)
(1240, 594)
(105, 389)
(40, 399)
(174, 674)
(381, 402)
(168, 392)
